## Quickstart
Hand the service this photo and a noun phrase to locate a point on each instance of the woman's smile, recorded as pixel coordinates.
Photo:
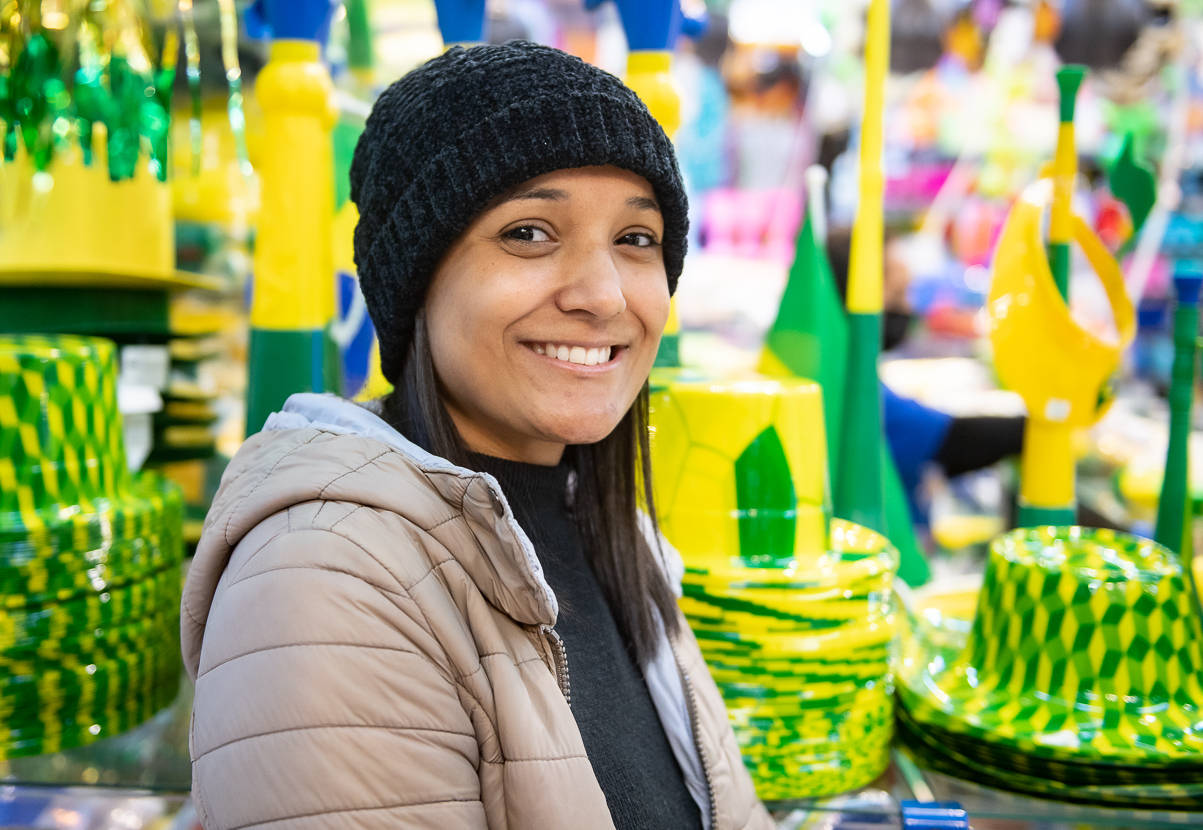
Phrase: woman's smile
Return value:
(577, 356)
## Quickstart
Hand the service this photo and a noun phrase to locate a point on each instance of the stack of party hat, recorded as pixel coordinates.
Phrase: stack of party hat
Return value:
(172, 384)
(801, 656)
(1081, 678)
(90, 555)
(793, 613)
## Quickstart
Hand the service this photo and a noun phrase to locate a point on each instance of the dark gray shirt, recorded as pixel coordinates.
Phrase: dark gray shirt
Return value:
(623, 736)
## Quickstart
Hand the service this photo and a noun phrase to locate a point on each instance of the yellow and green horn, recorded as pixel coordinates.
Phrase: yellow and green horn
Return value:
(859, 494)
(1065, 171)
(1172, 508)
(293, 304)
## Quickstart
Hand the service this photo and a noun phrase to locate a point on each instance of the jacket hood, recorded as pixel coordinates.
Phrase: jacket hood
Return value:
(320, 447)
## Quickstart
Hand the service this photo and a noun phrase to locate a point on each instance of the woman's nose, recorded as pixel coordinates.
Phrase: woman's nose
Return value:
(592, 283)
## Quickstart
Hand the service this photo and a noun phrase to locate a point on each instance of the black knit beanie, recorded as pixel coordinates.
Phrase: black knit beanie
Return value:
(466, 127)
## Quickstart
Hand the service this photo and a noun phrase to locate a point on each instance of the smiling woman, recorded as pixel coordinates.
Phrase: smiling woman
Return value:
(387, 600)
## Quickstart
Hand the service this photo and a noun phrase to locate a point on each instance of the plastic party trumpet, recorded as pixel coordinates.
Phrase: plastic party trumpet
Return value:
(1171, 509)
(859, 493)
(293, 303)
(1060, 369)
(1065, 170)
(652, 28)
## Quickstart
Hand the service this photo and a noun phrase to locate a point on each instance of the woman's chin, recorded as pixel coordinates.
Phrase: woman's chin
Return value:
(581, 432)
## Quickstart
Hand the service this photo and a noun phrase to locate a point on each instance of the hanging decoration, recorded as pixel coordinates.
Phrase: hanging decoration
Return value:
(70, 67)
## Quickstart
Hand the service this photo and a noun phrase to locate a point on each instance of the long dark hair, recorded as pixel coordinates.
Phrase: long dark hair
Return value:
(614, 480)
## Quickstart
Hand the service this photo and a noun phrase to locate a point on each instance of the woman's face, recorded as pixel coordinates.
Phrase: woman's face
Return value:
(545, 315)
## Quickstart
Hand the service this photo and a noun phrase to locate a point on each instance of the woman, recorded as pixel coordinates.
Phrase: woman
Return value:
(449, 612)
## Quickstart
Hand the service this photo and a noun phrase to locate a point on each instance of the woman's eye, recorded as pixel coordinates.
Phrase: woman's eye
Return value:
(527, 233)
(639, 240)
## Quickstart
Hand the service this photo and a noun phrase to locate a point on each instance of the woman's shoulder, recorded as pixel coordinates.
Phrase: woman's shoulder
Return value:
(311, 499)
(278, 469)
(388, 548)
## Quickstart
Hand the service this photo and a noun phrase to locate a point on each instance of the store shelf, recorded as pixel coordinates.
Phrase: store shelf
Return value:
(66, 278)
(107, 312)
(153, 759)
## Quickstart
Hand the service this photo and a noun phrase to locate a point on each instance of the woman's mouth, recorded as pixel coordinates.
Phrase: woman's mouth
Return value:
(579, 355)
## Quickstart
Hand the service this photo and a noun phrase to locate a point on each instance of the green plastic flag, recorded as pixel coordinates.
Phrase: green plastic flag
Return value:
(1133, 183)
(809, 338)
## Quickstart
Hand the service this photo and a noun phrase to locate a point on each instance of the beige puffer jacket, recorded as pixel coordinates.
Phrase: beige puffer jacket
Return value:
(373, 646)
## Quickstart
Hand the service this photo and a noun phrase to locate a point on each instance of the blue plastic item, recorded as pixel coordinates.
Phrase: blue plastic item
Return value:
(290, 19)
(1183, 237)
(650, 25)
(934, 815)
(461, 21)
(695, 27)
(1188, 282)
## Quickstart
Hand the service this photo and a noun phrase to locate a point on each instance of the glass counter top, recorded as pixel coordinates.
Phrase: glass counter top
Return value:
(154, 759)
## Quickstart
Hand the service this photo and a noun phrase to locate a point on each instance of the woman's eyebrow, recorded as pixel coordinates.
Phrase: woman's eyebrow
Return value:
(538, 193)
(555, 195)
(643, 203)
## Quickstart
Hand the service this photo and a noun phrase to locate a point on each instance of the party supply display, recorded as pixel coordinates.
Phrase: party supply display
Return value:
(90, 555)
(1080, 677)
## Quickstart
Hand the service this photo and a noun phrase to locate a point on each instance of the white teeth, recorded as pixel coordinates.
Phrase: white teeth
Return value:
(574, 354)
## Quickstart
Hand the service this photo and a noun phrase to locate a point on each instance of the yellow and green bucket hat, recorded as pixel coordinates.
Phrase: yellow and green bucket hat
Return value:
(1086, 651)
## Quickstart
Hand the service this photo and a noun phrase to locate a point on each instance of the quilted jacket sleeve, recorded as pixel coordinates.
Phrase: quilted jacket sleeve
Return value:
(323, 701)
